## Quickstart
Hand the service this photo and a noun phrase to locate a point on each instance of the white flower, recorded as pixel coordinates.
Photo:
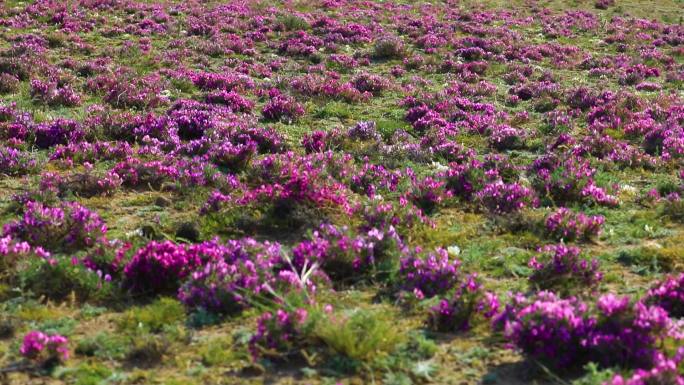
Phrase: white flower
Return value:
(137, 232)
(439, 167)
(454, 250)
(628, 189)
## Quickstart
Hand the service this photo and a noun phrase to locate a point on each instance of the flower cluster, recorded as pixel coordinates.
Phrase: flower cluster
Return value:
(329, 87)
(54, 94)
(430, 275)
(502, 198)
(229, 81)
(506, 137)
(159, 267)
(232, 156)
(665, 371)
(233, 271)
(568, 332)
(388, 47)
(568, 180)
(289, 183)
(427, 194)
(41, 347)
(66, 227)
(347, 256)
(279, 333)
(282, 107)
(13, 251)
(59, 131)
(566, 225)
(234, 101)
(123, 89)
(456, 312)
(604, 4)
(15, 162)
(561, 268)
(366, 82)
(301, 44)
(668, 294)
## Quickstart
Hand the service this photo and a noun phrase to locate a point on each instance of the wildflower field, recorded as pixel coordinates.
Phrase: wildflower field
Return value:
(342, 192)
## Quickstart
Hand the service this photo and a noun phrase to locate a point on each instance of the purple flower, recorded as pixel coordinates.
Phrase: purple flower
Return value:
(282, 107)
(568, 332)
(457, 311)
(565, 225)
(668, 294)
(159, 267)
(66, 227)
(560, 267)
(39, 346)
(502, 198)
(429, 275)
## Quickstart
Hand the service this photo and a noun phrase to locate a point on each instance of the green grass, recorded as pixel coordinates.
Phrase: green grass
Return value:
(155, 317)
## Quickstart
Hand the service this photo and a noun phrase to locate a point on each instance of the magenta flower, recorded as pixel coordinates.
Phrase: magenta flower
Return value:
(39, 346)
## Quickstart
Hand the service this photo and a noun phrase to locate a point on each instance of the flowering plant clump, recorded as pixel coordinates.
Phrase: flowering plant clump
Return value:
(560, 267)
(665, 372)
(15, 125)
(192, 120)
(301, 44)
(457, 311)
(235, 271)
(427, 194)
(566, 225)
(282, 107)
(568, 332)
(317, 141)
(126, 90)
(366, 82)
(8, 84)
(388, 47)
(59, 131)
(372, 180)
(465, 180)
(629, 332)
(546, 327)
(156, 174)
(159, 267)
(567, 181)
(66, 227)
(15, 162)
(40, 347)
(328, 87)
(430, 275)
(233, 156)
(54, 94)
(280, 334)
(229, 81)
(346, 256)
(234, 101)
(381, 215)
(293, 189)
(13, 251)
(503, 198)
(364, 131)
(668, 294)
(506, 138)
(604, 4)
(81, 153)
